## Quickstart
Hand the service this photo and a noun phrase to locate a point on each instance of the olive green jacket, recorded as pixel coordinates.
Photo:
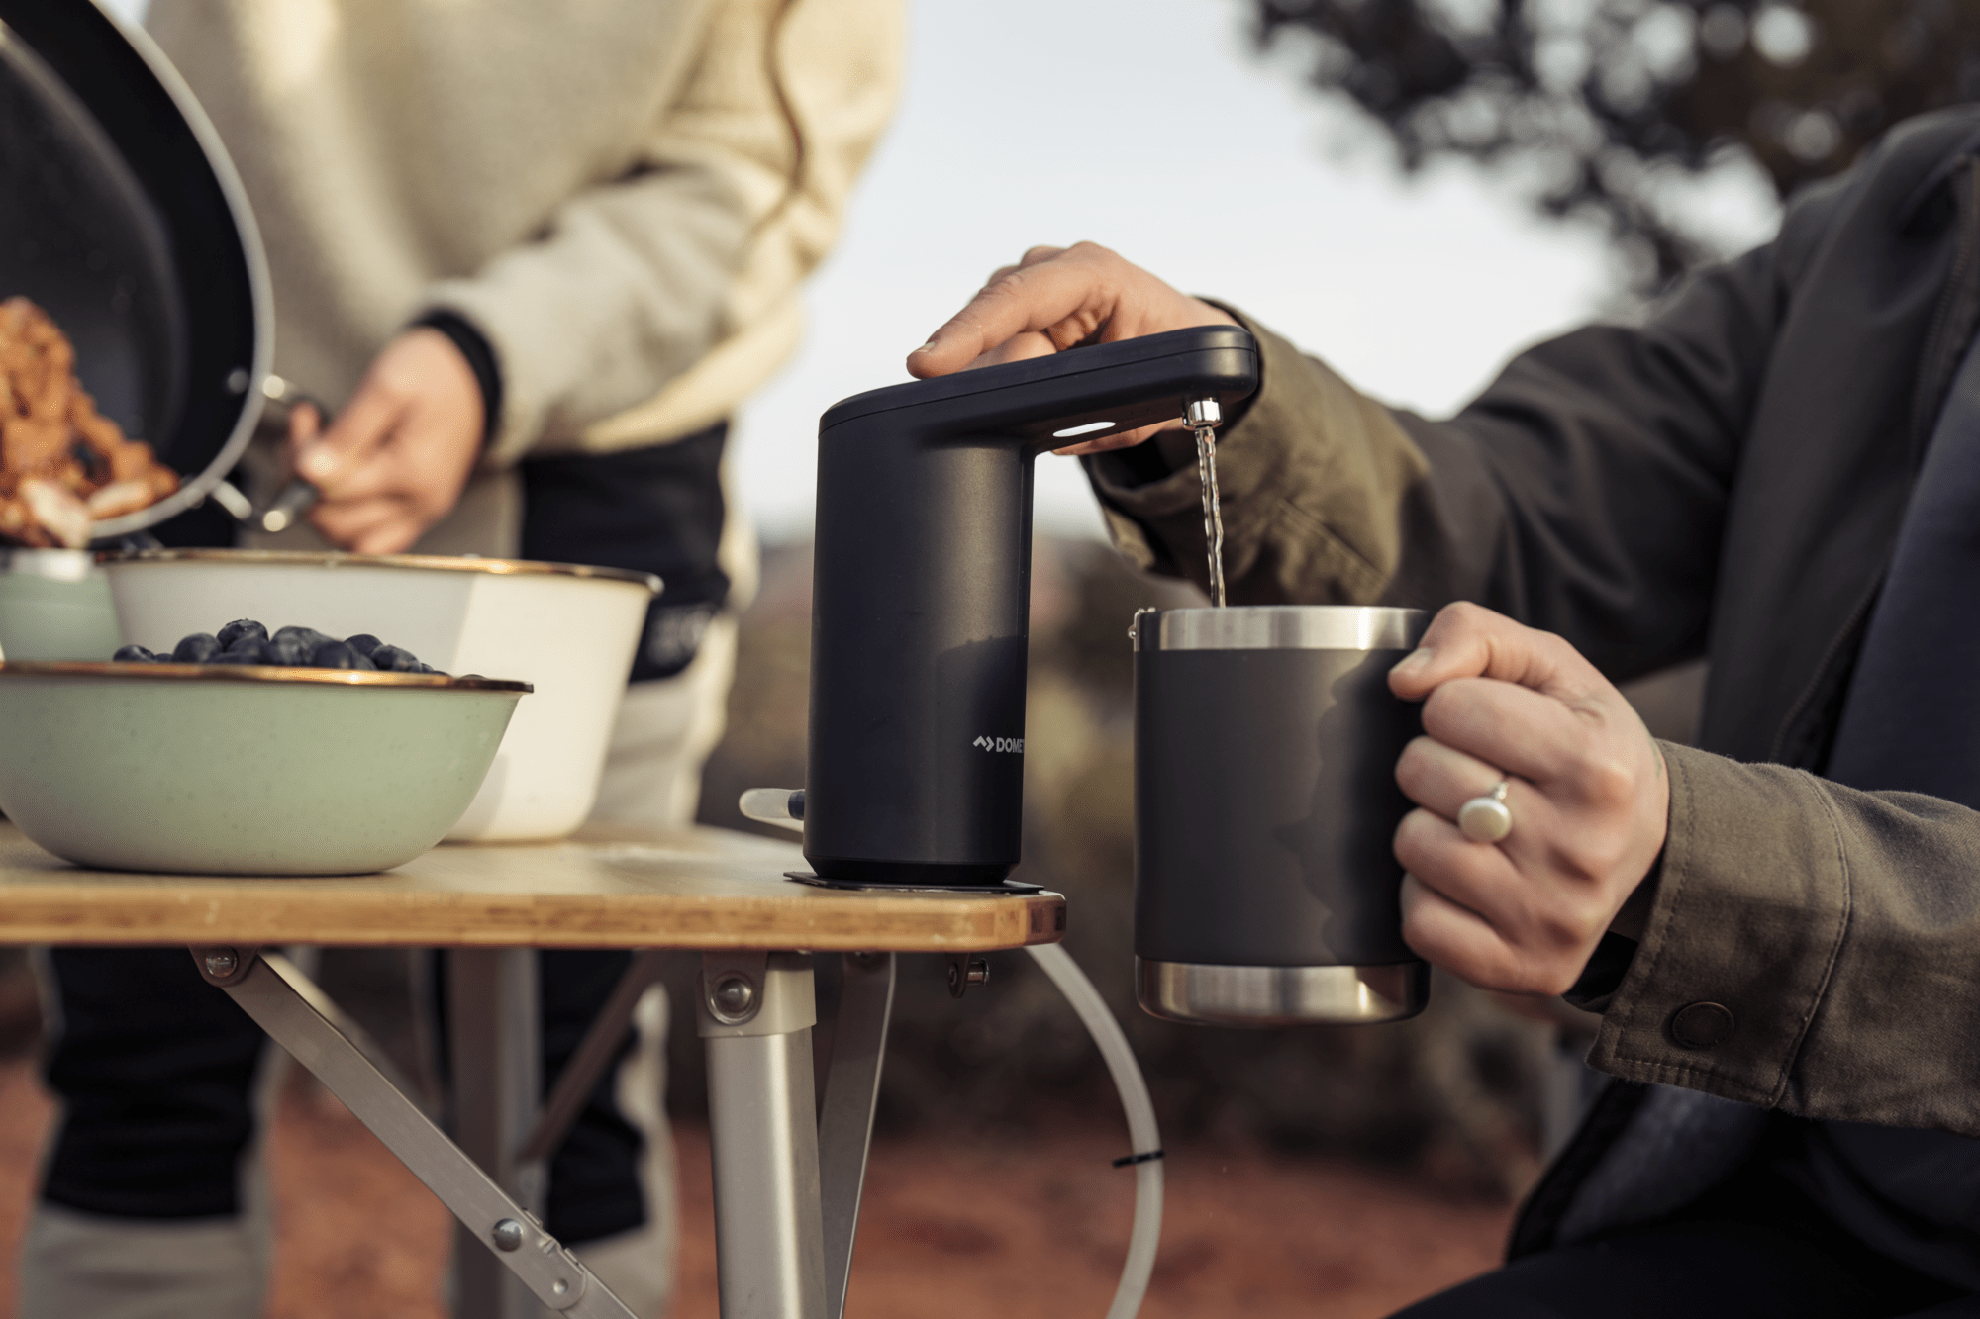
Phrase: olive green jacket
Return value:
(1727, 480)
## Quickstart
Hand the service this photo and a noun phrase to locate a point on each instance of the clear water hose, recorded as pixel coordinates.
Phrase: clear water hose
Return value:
(781, 806)
(1056, 963)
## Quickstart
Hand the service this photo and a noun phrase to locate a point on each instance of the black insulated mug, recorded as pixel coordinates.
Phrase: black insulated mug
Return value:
(1266, 805)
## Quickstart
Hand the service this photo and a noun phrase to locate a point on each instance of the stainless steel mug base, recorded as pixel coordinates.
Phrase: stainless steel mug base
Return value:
(1281, 995)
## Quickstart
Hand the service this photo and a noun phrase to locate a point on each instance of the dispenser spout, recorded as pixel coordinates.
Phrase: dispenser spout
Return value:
(1204, 416)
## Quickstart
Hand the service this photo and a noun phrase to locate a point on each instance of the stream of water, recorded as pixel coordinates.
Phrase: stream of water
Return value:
(1213, 510)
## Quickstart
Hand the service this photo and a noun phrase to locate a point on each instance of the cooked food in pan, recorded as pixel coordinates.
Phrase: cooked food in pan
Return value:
(62, 466)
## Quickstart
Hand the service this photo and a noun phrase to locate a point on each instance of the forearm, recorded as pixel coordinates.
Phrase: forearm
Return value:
(595, 316)
(1313, 476)
(1582, 493)
(839, 68)
(690, 261)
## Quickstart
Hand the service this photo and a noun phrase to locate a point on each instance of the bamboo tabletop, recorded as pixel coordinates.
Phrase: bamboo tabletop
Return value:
(604, 888)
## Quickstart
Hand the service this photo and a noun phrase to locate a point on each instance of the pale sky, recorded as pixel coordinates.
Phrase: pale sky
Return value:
(1152, 127)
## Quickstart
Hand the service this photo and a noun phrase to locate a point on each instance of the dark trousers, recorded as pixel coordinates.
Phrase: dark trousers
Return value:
(1757, 1248)
(155, 1069)
(658, 510)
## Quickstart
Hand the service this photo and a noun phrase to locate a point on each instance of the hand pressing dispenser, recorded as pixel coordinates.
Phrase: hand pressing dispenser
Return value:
(922, 593)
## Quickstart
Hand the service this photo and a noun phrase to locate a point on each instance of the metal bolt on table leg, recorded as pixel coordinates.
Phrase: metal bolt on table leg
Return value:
(223, 966)
(507, 1235)
(966, 970)
(732, 998)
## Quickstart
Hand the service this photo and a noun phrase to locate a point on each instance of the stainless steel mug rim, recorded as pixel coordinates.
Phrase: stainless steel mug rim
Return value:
(1280, 627)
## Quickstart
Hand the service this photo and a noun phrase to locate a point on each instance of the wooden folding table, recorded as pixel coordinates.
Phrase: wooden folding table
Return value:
(787, 1183)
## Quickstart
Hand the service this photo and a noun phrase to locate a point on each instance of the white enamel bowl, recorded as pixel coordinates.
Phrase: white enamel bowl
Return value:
(570, 631)
(242, 770)
(54, 605)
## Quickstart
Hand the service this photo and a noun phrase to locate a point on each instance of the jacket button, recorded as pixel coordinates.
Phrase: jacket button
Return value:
(1702, 1025)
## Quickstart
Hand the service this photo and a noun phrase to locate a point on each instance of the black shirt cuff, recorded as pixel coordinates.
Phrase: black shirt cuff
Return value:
(1603, 975)
(474, 346)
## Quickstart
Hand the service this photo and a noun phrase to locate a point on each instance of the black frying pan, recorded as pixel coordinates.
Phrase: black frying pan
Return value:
(121, 215)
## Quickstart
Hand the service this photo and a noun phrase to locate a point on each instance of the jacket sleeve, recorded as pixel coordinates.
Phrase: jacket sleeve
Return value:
(1825, 942)
(1581, 493)
(651, 305)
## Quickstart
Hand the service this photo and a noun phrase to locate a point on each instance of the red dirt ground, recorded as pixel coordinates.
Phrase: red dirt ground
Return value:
(1010, 1228)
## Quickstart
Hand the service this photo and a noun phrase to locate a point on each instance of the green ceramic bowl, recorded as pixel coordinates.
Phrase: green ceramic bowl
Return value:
(242, 770)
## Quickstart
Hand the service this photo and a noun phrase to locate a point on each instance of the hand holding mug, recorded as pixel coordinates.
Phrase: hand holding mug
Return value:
(1586, 792)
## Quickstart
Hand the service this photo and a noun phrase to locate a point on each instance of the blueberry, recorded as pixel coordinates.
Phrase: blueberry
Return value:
(363, 643)
(396, 660)
(308, 637)
(198, 648)
(134, 655)
(287, 649)
(331, 653)
(243, 656)
(232, 634)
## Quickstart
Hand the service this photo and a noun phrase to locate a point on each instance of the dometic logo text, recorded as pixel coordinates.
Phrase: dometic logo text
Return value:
(1015, 744)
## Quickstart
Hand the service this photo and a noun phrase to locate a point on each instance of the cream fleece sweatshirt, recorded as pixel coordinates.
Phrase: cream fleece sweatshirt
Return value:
(622, 195)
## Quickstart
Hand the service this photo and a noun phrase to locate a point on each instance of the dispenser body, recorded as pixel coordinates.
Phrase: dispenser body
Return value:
(921, 595)
(920, 619)
(1266, 883)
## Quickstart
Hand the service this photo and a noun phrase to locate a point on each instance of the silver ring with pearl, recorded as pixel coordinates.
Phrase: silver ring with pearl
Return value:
(1486, 819)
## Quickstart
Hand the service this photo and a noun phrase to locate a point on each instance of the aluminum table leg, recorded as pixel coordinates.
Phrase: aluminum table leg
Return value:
(594, 1053)
(496, 1059)
(279, 998)
(787, 1183)
(755, 1011)
(845, 1123)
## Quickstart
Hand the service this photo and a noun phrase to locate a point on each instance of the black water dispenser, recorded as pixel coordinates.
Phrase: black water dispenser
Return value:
(921, 594)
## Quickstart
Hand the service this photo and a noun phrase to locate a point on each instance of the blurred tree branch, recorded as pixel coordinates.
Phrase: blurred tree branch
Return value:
(1608, 101)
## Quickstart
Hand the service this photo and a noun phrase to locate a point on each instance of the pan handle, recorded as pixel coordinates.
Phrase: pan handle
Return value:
(297, 496)
(295, 499)
(287, 396)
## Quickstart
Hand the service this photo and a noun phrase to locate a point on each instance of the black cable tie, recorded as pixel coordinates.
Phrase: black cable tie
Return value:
(1129, 1160)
